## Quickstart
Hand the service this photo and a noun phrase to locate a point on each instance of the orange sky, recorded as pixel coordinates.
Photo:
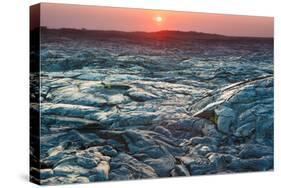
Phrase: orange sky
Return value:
(124, 19)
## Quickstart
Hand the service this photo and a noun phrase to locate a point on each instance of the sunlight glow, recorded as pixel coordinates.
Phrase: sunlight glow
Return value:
(158, 19)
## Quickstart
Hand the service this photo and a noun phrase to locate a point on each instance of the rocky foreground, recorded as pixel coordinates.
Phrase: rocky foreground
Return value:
(139, 111)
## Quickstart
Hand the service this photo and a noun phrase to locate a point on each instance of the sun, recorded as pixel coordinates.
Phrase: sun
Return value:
(158, 19)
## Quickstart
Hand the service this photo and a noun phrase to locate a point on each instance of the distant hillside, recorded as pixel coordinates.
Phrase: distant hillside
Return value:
(138, 35)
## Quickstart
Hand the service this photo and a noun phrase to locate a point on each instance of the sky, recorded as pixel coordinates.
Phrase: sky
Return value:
(125, 19)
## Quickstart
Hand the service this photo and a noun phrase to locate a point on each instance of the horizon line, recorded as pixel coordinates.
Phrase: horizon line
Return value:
(139, 31)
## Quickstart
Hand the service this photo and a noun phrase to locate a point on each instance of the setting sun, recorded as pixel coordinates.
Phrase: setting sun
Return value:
(158, 19)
